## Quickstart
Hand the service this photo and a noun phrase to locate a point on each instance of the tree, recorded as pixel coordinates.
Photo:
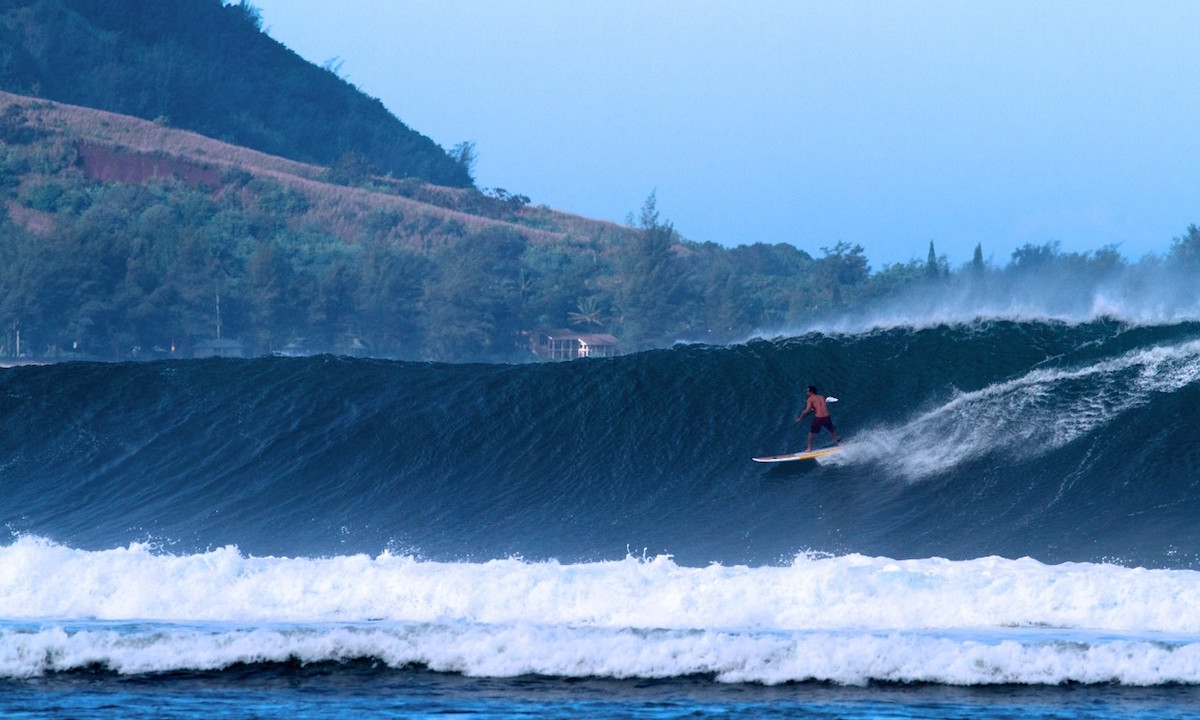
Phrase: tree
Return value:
(333, 310)
(471, 300)
(653, 286)
(587, 313)
(1185, 249)
(649, 214)
(936, 268)
(389, 298)
(1106, 261)
(1033, 257)
(247, 13)
(270, 279)
(464, 154)
(554, 277)
(843, 267)
(727, 308)
(352, 168)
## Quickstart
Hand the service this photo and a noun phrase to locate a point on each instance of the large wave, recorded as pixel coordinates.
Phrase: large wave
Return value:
(1014, 504)
(1054, 440)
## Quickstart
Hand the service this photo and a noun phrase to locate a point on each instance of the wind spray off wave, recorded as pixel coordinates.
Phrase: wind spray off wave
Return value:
(1027, 417)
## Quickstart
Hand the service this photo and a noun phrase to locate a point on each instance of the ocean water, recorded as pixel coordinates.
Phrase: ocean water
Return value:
(1009, 530)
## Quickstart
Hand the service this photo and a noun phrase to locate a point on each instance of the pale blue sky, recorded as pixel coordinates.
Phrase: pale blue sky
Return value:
(886, 124)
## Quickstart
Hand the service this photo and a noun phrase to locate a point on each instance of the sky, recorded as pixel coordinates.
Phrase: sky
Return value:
(889, 125)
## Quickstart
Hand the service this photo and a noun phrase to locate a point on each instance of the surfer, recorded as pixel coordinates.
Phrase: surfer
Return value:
(820, 409)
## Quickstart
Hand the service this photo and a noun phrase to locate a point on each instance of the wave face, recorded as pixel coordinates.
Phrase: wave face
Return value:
(1060, 442)
(1034, 480)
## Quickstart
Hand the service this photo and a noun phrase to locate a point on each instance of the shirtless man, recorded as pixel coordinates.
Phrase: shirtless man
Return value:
(816, 405)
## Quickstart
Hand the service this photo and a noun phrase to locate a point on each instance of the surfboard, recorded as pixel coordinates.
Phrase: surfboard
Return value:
(795, 456)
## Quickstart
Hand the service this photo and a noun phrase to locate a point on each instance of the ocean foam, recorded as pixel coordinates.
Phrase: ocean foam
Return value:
(1027, 416)
(848, 657)
(848, 619)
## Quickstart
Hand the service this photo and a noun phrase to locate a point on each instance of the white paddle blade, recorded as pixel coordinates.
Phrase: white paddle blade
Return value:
(830, 399)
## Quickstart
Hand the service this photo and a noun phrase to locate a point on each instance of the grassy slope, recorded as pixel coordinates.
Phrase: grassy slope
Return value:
(338, 209)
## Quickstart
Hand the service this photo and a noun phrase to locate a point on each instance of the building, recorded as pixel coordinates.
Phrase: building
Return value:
(570, 345)
(219, 348)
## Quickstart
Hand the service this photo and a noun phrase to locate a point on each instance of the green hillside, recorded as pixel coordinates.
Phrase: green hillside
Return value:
(232, 192)
(207, 67)
(118, 233)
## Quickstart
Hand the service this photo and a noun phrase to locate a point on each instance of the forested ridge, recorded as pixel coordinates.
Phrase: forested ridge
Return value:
(127, 237)
(120, 238)
(207, 66)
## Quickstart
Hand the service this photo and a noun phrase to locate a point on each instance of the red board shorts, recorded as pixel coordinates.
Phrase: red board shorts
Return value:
(822, 422)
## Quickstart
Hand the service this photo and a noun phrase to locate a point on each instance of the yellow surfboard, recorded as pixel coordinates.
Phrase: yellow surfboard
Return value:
(795, 456)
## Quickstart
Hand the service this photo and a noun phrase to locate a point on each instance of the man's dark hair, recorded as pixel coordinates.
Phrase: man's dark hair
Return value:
(812, 389)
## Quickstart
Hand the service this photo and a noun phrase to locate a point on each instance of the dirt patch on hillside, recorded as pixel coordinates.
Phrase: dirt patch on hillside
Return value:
(112, 165)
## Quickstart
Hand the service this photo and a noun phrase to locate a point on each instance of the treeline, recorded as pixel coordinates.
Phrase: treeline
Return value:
(286, 264)
(147, 270)
(102, 270)
(392, 251)
(208, 67)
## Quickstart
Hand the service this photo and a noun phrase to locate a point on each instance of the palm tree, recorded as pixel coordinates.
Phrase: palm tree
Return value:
(587, 313)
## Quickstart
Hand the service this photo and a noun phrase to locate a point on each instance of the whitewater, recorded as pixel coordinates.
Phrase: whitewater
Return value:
(1009, 529)
(850, 619)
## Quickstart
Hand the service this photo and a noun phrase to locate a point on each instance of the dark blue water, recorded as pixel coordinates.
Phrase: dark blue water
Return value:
(586, 460)
(1070, 444)
(357, 690)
